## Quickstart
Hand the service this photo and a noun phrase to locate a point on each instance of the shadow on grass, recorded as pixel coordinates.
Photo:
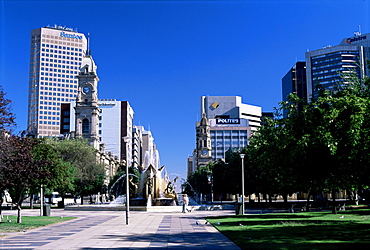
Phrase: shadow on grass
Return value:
(298, 231)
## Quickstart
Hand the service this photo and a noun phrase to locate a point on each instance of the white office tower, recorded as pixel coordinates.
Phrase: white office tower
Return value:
(226, 124)
(55, 58)
(229, 107)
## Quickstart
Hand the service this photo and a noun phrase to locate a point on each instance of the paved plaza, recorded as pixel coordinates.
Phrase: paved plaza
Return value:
(108, 230)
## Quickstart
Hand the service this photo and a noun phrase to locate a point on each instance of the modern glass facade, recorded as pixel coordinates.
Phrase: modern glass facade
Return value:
(223, 140)
(328, 65)
(228, 136)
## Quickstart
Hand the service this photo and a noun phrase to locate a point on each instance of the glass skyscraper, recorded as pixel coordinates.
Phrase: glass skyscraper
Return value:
(326, 66)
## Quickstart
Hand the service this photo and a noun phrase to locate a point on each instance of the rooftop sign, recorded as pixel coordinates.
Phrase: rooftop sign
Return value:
(228, 121)
(63, 34)
(355, 39)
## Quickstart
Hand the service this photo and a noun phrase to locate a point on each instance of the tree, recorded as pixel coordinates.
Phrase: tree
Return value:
(7, 118)
(89, 174)
(20, 169)
(62, 171)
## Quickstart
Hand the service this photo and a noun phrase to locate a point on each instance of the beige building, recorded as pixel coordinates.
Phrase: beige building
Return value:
(55, 57)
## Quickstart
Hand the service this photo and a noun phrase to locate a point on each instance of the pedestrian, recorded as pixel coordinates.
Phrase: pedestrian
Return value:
(185, 203)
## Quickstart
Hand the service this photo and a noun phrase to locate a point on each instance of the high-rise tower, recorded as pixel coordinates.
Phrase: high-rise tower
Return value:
(326, 66)
(55, 57)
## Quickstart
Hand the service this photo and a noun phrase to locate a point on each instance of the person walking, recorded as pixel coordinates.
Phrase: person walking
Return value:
(185, 203)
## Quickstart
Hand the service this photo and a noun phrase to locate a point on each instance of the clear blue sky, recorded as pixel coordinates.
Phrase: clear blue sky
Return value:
(161, 56)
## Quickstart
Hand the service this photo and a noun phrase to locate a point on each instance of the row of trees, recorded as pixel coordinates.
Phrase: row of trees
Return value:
(319, 146)
(26, 164)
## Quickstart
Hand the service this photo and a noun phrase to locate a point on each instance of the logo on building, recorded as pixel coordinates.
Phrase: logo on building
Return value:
(355, 39)
(63, 34)
(228, 121)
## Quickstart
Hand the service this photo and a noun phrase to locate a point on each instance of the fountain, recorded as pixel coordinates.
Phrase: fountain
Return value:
(154, 192)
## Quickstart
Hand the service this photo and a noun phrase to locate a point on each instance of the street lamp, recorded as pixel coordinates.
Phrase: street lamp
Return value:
(210, 181)
(242, 157)
(127, 140)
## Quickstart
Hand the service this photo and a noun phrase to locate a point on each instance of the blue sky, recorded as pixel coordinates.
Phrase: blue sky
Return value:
(161, 56)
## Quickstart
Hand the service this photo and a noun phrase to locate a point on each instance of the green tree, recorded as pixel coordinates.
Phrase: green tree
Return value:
(20, 169)
(63, 172)
(7, 121)
(89, 173)
(7, 118)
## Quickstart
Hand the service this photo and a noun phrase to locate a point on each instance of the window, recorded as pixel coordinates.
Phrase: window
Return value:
(85, 126)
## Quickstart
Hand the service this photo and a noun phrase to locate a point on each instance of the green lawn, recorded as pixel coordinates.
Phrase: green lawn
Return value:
(313, 230)
(9, 223)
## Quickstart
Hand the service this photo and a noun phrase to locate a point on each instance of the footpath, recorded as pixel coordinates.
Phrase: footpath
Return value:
(108, 230)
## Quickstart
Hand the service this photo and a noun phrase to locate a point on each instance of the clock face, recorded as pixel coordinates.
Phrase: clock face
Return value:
(204, 152)
(86, 90)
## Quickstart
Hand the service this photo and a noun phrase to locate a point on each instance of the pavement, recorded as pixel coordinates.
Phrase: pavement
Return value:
(108, 230)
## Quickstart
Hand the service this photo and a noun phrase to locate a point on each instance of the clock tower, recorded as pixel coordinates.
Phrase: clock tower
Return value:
(204, 148)
(87, 109)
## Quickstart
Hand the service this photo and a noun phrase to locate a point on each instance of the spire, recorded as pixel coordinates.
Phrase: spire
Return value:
(88, 52)
(204, 120)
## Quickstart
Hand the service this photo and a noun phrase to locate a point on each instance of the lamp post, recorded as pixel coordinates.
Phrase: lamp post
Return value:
(127, 140)
(210, 181)
(243, 204)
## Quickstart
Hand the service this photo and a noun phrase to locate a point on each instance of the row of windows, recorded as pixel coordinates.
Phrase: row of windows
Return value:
(61, 47)
(59, 70)
(58, 61)
(49, 103)
(58, 99)
(49, 122)
(61, 57)
(58, 84)
(49, 113)
(335, 54)
(332, 70)
(58, 89)
(59, 66)
(53, 79)
(49, 117)
(61, 52)
(328, 65)
(228, 132)
(56, 75)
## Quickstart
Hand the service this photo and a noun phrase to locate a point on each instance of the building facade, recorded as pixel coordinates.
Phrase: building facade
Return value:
(55, 57)
(226, 124)
(326, 66)
(295, 81)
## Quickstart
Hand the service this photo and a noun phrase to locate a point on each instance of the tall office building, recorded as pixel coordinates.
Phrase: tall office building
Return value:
(327, 65)
(55, 57)
(226, 124)
(295, 81)
(231, 107)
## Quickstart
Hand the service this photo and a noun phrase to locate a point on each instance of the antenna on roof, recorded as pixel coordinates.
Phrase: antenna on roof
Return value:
(88, 52)
(358, 33)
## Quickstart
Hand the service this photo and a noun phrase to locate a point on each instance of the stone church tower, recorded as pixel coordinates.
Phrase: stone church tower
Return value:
(87, 109)
(204, 147)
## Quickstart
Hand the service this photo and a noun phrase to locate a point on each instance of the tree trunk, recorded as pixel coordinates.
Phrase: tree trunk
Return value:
(31, 200)
(1, 204)
(285, 198)
(308, 202)
(19, 219)
(270, 198)
(82, 199)
(334, 210)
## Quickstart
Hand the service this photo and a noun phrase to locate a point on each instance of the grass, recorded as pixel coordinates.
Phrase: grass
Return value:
(311, 230)
(9, 223)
